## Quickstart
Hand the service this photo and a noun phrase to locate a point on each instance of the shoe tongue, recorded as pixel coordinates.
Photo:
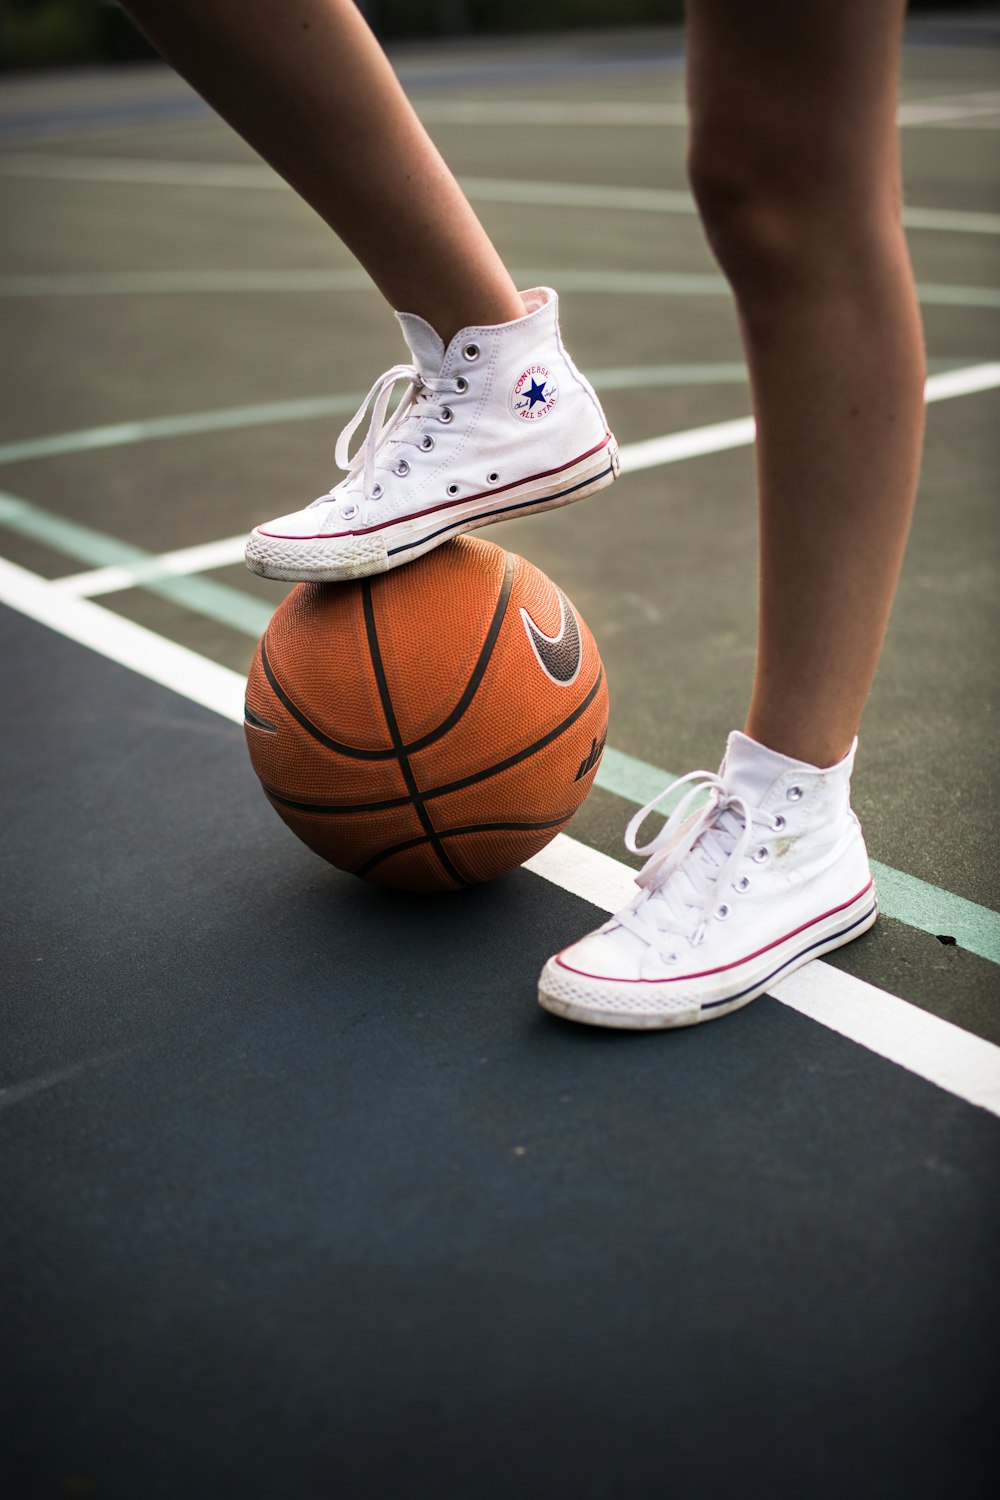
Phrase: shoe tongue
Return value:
(750, 770)
(425, 345)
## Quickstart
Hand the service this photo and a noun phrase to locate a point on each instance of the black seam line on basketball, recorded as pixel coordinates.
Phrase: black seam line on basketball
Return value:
(382, 681)
(450, 833)
(504, 510)
(360, 807)
(482, 662)
(256, 722)
(505, 765)
(324, 739)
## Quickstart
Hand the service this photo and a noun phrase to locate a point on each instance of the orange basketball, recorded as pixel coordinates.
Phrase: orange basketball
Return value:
(430, 727)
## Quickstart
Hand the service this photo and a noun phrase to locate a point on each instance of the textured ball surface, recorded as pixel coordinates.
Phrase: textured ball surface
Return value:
(433, 726)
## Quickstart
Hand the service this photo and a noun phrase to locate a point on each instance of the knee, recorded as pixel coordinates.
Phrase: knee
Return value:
(781, 219)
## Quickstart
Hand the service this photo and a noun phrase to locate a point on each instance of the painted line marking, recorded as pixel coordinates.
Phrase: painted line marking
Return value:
(905, 897)
(936, 1050)
(132, 116)
(122, 641)
(234, 608)
(290, 282)
(914, 1039)
(119, 434)
(945, 110)
(121, 565)
(923, 1044)
(185, 562)
(547, 112)
(149, 172)
(718, 436)
(949, 109)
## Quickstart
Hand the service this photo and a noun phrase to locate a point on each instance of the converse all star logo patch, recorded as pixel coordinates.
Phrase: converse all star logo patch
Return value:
(534, 394)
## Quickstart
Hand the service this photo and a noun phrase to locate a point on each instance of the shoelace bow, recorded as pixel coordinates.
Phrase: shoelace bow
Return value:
(705, 846)
(380, 428)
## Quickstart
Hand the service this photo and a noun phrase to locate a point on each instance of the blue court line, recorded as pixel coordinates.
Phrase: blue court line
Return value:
(903, 896)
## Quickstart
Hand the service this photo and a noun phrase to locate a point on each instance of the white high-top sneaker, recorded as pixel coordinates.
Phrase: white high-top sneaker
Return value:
(499, 424)
(770, 872)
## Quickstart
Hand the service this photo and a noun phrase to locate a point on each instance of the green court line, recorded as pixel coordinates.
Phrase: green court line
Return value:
(217, 601)
(119, 434)
(626, 283)
(152, 172)
(903, 896)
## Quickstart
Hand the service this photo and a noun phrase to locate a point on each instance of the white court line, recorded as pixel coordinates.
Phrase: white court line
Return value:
(650, 453)
(949, 109)
(151, 173)
(935, 1050)
(122, 641)
(183, 562)
(719, 436)
(914, 1039)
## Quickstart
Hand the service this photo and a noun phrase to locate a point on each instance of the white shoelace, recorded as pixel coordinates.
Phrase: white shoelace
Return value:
(693, 863)
(419, 388)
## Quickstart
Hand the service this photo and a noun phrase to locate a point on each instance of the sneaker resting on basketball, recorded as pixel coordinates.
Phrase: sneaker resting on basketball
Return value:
(500, 423)
(770, 872)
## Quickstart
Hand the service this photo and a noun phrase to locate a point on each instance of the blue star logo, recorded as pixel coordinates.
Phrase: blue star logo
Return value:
(536, 393)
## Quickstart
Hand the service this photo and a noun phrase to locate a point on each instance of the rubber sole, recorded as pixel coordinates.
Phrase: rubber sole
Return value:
(359, 555)
(591, 1001)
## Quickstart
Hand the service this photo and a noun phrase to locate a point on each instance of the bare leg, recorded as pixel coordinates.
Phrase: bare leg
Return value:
(305, 82)
(794, 162)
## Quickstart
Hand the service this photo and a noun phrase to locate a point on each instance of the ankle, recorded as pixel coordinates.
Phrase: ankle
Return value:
(814, 745)
(450, 317)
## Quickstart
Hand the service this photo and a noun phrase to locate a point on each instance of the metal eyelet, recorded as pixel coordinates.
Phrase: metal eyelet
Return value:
(349, 511)
(401, 468)
(461, 385)
(471, 352)
(376, 491)
(492, 477)
(760, 856)
(778, 823)
(722, 913)
(426, 443)
(453, 489)
(446, 414)
(794, 794)
(743, 884)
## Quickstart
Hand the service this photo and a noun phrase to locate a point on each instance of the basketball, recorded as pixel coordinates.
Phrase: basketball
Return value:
(431, 727)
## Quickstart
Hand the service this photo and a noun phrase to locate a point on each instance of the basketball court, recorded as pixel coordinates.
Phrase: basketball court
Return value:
(303, 1193)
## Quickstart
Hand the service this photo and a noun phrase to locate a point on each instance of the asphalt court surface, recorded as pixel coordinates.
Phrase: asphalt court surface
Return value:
(486, 1190)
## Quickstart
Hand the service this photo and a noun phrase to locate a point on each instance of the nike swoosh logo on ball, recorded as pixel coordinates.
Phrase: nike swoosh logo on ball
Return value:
(559, 655)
